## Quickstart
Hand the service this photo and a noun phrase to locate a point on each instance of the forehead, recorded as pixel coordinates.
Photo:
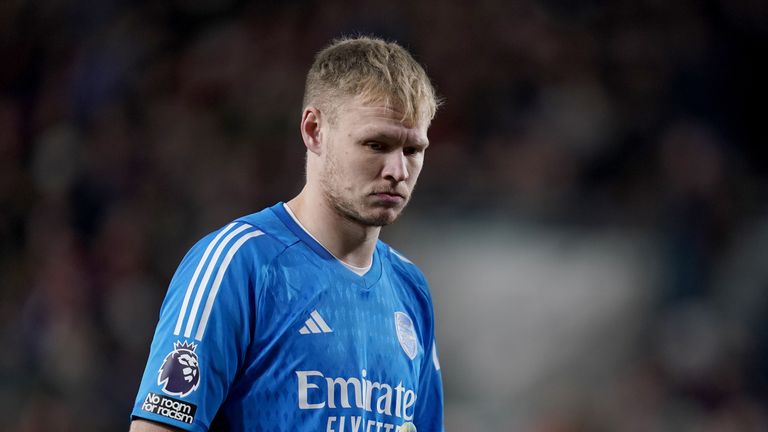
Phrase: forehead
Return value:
(361, 119)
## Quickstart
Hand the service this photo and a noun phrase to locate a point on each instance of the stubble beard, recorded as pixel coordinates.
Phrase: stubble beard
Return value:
(345, 206)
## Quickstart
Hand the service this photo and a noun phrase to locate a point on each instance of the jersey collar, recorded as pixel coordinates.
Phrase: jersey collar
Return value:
(366, 281)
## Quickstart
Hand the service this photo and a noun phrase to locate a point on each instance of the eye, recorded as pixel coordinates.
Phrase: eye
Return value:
(410, 151)
(375, 146)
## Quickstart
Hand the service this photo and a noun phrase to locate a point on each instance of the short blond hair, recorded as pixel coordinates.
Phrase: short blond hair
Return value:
(375, 70)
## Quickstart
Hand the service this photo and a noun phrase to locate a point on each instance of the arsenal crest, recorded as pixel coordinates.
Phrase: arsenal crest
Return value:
(406, 334)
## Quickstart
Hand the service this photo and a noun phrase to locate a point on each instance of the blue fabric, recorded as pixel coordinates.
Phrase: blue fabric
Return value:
(293, 340)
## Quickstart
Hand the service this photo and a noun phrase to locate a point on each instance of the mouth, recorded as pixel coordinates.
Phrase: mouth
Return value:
(389, 197)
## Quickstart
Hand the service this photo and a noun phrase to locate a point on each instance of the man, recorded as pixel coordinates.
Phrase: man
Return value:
(297, 318)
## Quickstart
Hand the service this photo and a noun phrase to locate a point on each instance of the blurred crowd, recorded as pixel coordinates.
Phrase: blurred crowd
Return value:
(128, 129)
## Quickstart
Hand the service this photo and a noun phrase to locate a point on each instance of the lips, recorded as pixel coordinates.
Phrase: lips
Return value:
(388, 193)
(389, 196)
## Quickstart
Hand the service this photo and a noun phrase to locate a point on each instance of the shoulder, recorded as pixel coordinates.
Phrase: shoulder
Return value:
(415, 290)
(404, 267)
(238, 239)
(224, 267)
(233, 255)
(252, 239)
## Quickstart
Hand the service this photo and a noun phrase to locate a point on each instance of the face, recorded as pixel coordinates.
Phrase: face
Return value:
(371, 162)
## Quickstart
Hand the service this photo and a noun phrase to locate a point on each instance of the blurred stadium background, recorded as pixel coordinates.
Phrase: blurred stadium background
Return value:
(592, 214)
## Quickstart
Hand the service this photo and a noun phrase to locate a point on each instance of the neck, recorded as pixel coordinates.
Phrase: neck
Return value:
(347, 240)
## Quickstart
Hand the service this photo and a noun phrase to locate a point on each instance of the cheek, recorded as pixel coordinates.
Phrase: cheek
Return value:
(414, 167)
(351, 172)
(364, 167)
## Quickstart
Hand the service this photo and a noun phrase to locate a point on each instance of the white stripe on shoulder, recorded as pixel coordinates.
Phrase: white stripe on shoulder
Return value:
(435, 360)
(394, 252)
(217, 282)
(207, 276)
(192, 281)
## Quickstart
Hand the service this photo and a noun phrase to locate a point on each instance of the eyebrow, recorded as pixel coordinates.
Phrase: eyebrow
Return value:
(389, 136)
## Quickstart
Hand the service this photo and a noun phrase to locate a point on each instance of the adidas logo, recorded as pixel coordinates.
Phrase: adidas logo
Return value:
(315, 324)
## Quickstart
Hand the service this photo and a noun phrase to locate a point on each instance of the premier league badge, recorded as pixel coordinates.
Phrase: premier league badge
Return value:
(406, 334)
(180, 374)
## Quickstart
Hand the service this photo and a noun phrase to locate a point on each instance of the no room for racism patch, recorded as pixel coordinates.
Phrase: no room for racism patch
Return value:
(169, 407)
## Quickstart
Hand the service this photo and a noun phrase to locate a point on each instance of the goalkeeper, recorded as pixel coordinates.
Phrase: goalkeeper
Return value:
(297, 317)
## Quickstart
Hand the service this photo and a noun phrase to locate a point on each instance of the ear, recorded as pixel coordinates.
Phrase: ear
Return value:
(311, 122)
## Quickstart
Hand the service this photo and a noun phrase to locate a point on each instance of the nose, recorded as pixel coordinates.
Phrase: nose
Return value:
(396, 167)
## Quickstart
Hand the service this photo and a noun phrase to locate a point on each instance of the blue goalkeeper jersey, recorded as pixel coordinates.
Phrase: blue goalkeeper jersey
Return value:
(262, 329)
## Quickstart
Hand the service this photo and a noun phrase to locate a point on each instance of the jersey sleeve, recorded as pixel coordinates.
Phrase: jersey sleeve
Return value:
(203, 331)
(429, 413)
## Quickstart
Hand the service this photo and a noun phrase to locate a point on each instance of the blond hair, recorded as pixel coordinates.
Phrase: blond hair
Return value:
(375, 70)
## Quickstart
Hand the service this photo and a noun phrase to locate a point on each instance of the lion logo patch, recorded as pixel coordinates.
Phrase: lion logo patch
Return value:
(180, 373)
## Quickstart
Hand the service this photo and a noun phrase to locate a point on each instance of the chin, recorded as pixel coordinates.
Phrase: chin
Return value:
(376, 220)
(368, 214)
(379, 217)
(387, 216)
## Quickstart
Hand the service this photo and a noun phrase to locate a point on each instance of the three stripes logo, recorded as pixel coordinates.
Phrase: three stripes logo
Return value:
(315, 324)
